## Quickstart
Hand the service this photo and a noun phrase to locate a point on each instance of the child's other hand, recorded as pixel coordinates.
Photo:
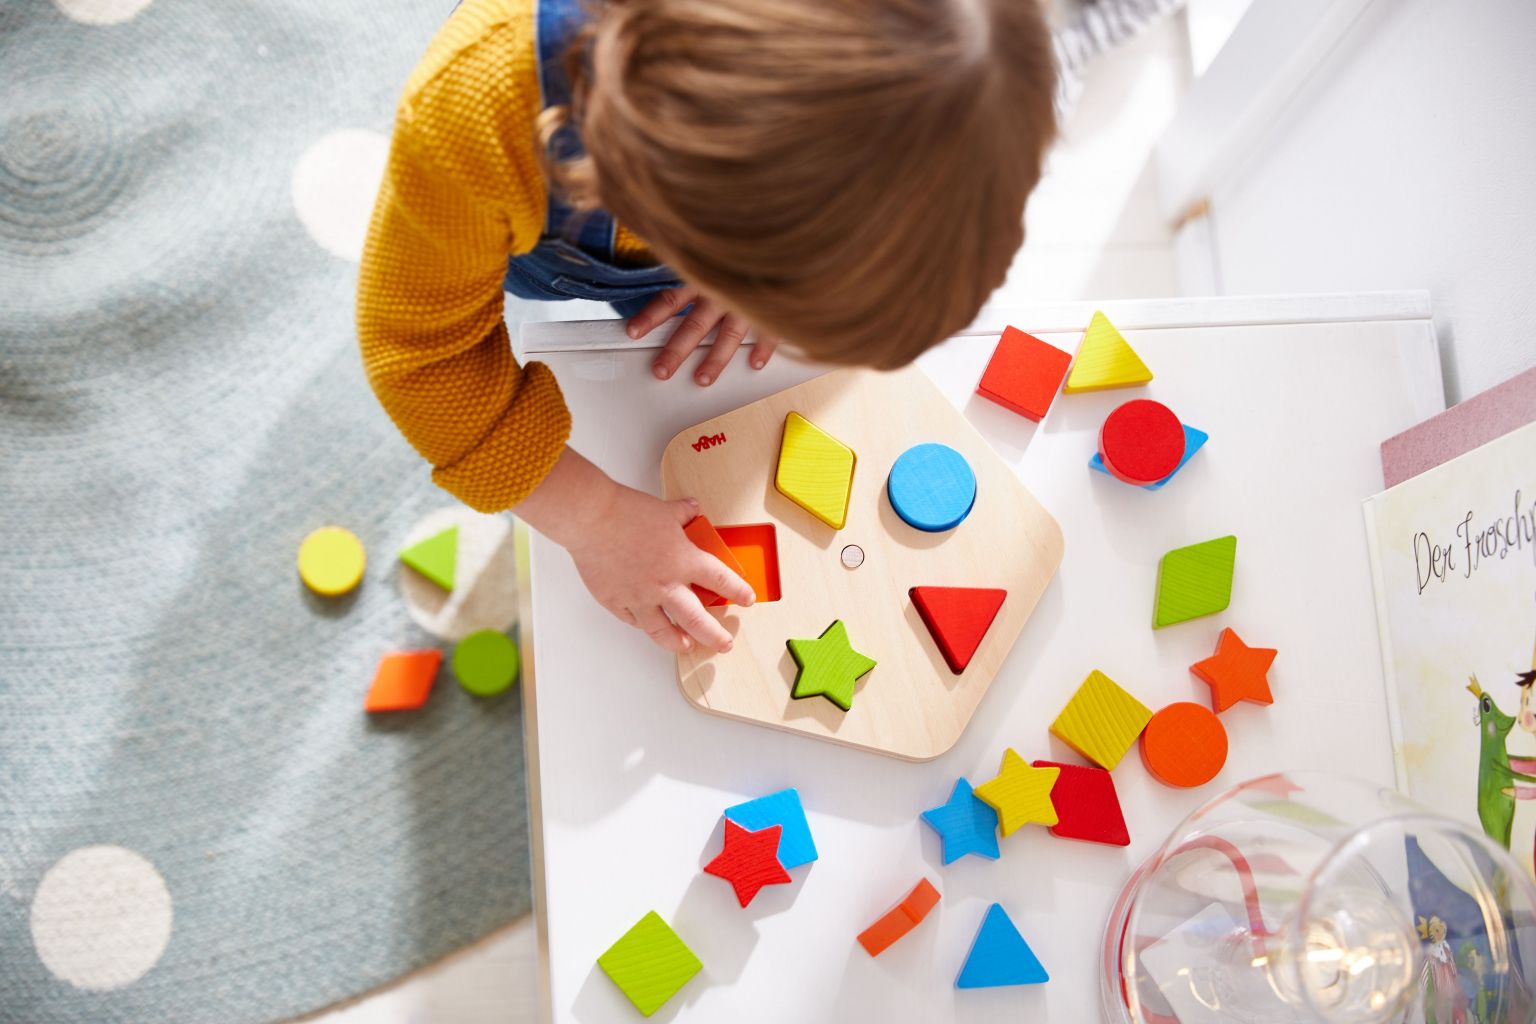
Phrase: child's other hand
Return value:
(705, 316)
(635, 559)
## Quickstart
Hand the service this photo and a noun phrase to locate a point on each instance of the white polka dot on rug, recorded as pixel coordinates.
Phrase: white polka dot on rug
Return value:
(334, 184)
(484, 594)
(100, 12)
(101, 917)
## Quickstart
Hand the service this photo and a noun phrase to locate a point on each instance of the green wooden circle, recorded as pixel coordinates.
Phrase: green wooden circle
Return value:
(485, 662)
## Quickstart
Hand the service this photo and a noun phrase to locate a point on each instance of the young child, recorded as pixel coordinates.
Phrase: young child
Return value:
(847, 175)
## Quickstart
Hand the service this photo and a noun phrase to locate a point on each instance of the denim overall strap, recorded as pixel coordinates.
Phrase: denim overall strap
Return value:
(556, 23)
(575, 258)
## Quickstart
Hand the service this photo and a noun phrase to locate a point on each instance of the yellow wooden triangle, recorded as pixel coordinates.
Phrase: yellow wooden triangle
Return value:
(1105, 360)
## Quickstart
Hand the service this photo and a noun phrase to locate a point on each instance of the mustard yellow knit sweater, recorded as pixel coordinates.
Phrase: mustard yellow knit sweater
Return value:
(462, 193)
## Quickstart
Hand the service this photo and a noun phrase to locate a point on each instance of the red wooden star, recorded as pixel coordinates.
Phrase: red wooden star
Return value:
(749, 860)
(1236, 672)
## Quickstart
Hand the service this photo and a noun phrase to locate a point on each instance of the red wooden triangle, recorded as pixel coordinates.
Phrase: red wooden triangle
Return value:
(958, 617)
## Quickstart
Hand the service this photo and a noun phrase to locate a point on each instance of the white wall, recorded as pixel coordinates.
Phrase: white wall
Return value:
(1409, 161)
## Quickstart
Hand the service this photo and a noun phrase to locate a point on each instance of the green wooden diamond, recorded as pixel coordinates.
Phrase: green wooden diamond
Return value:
(650, 963)
(1194, 581)
(829, 666)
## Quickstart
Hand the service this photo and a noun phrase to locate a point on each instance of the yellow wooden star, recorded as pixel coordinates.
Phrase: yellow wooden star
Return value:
(1020, 794)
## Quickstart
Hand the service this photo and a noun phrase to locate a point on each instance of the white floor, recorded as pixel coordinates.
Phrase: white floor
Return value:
(1094, 233)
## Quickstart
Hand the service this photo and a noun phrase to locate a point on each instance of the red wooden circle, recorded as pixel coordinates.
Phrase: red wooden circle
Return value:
(1184, 745)
(1142, 441)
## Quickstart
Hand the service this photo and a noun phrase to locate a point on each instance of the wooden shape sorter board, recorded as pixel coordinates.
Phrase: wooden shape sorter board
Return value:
(911, 705)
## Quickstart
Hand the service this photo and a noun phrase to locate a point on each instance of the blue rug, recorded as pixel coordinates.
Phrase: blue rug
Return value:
(197, 820)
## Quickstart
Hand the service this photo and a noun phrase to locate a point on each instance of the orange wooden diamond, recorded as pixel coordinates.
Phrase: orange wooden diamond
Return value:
(403, 680)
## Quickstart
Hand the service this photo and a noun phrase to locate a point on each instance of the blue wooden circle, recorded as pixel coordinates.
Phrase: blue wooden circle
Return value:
(931, 487)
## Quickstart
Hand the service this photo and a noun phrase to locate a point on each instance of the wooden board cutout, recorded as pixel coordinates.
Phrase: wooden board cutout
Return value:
(911, 706)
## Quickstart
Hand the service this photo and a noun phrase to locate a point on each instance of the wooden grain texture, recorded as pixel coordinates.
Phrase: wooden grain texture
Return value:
(1087, 806)
(1024, 374)
(1236, 672)
(958, 618)
(749, 860)
(1019, 794)
(900, 919)
(911, 706)
(649, 963)
(1101, 721)
(1184, 745)
(815, 469)
(1105, 360)
(1142, 442)
(1000, 956)
(1194, 581)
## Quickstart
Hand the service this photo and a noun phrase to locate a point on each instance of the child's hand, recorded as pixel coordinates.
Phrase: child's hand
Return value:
(632, 553)
(705, 315)
(638, 563)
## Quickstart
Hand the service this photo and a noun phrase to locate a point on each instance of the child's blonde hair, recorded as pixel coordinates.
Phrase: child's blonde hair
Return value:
(847, 174)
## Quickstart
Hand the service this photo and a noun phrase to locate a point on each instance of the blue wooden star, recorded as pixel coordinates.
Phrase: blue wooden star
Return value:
(965, 824)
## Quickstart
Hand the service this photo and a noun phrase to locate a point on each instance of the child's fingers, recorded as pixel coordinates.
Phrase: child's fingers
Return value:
(712, 574)
(686, 337)
(686, 509)
(659, 310)
(654, 623)
(689, 614)
(733, 331)
(762, 350)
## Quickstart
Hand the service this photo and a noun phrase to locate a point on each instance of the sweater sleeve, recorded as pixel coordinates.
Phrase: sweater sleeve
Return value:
(460, 193)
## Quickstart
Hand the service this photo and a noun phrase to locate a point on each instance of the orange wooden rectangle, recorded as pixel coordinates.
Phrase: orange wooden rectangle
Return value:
(920, 900)
(902, 918)
(882, 935)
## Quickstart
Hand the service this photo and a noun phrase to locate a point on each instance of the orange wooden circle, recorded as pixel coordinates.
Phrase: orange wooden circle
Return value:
(1184, 745)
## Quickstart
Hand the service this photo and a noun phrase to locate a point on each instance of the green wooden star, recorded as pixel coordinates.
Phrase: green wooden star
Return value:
(829, 666)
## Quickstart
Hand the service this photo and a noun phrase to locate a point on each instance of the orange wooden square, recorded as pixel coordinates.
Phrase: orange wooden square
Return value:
(403, 680)
(756, 547)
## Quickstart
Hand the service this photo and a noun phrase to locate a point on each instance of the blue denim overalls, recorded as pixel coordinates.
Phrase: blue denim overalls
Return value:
(574, 258)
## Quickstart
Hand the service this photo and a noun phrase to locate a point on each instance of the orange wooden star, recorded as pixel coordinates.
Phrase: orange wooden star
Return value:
(749, 860)
(1236, 672)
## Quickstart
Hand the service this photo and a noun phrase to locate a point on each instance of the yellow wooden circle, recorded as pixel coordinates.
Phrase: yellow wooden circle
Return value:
(331, 561)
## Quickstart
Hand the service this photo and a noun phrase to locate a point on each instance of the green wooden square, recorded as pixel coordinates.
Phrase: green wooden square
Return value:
(1194, 581)
(650, 963)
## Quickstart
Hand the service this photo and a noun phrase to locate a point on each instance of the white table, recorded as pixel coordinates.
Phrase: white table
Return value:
(629, 781)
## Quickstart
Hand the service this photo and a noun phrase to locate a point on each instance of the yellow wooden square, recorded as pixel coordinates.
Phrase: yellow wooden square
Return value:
(1101, 721)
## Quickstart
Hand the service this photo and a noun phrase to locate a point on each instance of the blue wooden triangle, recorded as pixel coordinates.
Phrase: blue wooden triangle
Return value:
(1000, 956)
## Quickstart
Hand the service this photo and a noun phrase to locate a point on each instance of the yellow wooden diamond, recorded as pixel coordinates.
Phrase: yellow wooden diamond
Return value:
(815, 470)
(1101, 721)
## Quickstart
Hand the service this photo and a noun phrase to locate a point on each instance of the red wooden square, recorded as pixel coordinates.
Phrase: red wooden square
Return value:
(1086, 805)
(1024, 374)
